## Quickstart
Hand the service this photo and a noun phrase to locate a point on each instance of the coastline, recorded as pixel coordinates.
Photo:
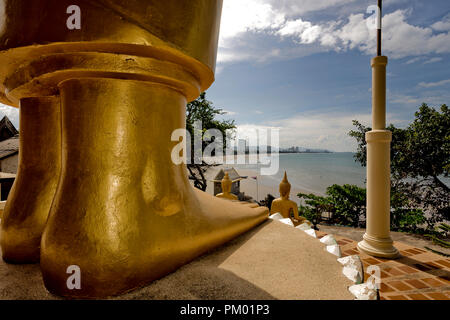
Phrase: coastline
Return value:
(266, 185)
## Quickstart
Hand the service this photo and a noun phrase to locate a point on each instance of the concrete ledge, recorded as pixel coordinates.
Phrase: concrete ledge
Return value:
(272, 261)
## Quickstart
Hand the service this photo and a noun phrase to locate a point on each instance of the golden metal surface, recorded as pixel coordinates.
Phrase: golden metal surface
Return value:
(123, 212)
(286, 207)
(32, 194)
(179, 31)
(283, 205)
(226, 188)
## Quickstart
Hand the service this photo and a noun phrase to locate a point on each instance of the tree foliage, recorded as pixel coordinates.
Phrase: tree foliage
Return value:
(420, 159)
(346, 205)
(203, 110)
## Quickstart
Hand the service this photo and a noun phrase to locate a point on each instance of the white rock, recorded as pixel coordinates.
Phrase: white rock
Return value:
(303, 226)
(329, 240)
(310, 232)
(349, 260)
(334, 249)
(363, 292)
(276, 216)
(352, 274)
(287, 221)
(352, 263)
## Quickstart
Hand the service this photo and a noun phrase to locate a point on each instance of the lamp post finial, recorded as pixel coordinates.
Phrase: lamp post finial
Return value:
(380, 15)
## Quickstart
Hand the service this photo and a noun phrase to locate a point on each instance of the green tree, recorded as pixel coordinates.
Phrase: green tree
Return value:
(346, 205)
(420, 158)
(203, 110)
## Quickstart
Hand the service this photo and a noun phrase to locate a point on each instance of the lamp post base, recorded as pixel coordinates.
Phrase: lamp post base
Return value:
(378, 247)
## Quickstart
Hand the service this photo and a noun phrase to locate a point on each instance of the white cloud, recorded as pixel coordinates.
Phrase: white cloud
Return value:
(244, 22)
(443, 25)
(250, 15)
(304, 30)
(11, 112)
(319, 130)
(433, 60)
(296, 7)
(229, 113)
(434, 84)
(403, 99)
(413, 60)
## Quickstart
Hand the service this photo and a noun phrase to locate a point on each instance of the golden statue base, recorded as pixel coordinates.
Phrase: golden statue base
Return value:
(122, 212)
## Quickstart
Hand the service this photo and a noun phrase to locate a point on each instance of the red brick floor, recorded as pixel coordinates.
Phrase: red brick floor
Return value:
(416, 275)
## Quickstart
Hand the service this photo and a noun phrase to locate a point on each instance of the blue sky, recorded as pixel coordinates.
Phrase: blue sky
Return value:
(304, 65)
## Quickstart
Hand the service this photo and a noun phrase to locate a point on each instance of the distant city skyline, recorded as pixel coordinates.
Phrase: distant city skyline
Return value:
(304, 66)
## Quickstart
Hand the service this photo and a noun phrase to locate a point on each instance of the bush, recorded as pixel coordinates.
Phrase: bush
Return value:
(441, 235)
(347, 206)
(407, 220)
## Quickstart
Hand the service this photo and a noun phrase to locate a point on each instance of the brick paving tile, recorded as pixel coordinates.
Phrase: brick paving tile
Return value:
(400, 297)
(408, 269)
(402, 246)
(416, 283)
(399, 285)
(413, 251)
(432, 264)
(422, 267)
(444, 279)
(385, 288)
(433, 282)
(427, 256)
(405, 254)
(371, 261)
(345, 254)
(444, 263)
(394, 272)
(418, 296)
(416, 266)
(437, 296)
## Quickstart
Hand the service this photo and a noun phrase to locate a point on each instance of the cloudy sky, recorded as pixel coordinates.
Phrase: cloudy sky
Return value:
(304, 65)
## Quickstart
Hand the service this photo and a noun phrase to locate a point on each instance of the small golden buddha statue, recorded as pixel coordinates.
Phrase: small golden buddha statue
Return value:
(226, 188)
(287, 208)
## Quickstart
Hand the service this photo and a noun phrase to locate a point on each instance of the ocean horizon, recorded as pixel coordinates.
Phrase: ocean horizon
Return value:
(313, 172)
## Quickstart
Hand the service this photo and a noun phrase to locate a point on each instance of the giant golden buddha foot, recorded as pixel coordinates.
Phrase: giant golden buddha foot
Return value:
(30, 199)
(124, 213)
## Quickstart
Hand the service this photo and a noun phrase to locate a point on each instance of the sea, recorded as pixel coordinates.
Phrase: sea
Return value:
(310, 172)
(313, 172)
